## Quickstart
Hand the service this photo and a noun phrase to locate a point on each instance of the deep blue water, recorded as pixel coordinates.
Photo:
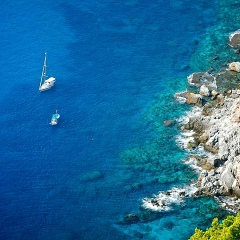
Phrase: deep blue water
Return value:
(114, 62)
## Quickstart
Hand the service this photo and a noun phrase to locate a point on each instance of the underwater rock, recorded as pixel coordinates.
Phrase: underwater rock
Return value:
(131, 218)
(136, 186)
(169, 123)
(138, 235)
(148, 216)
(234, 66)
(234, 39)
(91, 176)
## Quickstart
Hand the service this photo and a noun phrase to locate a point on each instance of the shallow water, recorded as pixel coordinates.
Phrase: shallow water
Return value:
(117, 66)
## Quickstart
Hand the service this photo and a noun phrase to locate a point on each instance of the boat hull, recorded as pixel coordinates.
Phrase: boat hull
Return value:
(54, 120)
(49, 83)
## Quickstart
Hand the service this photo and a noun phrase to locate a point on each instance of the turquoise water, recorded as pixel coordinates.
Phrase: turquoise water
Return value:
(117, 66)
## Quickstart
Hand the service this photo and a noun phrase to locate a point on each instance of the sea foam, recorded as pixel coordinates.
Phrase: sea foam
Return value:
(165, 201)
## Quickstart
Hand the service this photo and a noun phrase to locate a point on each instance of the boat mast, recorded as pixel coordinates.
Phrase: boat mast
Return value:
(44, 70)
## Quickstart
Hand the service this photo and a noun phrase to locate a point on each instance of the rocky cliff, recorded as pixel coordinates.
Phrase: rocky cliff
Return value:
(217, 128)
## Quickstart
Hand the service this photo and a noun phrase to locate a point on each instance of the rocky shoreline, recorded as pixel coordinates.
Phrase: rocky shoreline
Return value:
(217, 128)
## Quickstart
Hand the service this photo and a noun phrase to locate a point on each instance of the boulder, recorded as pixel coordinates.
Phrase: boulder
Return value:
(199, 78)
(214, 93)
(211, 173)
(212, 145)
(227, 179)
(204, 91)
(215, 162)
(207, 109)
(195, 99)
(226, 80)
(220, 98)
(203, 138)
(236, 187)
(195, 124)
(234, 39)
(234, 66)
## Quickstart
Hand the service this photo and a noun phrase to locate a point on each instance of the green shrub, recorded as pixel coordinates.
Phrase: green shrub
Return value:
(228, 229)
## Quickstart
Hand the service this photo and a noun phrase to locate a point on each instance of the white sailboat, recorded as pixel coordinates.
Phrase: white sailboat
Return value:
(46, 83)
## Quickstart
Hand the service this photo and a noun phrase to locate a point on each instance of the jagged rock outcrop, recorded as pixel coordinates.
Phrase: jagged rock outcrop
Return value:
(219, 133)
(227, 179)
(199, 78)
(236, 113)
(195, 99)
(234, 66)
(204, 91)
(234, 39)
(217, 128)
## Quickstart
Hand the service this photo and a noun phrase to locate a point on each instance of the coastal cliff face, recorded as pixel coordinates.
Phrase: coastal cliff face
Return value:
(219, 134)
(217, 128)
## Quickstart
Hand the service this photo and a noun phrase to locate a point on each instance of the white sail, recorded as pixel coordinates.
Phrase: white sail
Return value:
(45, 83)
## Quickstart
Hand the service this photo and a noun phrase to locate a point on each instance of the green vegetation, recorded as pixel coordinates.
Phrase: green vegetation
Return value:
(228, 229)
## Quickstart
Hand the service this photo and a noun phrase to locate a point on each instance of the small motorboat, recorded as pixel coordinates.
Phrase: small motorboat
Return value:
(55, 117)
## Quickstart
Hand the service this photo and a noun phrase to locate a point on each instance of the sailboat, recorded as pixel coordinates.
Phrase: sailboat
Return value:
(55, 117)
(46, 83)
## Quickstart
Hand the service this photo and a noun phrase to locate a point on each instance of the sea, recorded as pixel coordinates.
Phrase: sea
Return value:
(118, 65)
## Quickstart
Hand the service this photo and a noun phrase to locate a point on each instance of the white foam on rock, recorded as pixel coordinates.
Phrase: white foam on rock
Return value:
(229, 203)
(195, 111)
(165, 201)
(190, 78)
(184, 138)
(192, 162)
(234, 33)
(179, 97)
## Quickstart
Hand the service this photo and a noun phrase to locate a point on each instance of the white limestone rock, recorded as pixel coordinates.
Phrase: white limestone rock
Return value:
(234, 66)
(204, 91)
(227, 179)
(235, 117)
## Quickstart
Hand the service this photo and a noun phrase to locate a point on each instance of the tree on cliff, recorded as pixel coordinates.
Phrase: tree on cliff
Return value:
(228, 229)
